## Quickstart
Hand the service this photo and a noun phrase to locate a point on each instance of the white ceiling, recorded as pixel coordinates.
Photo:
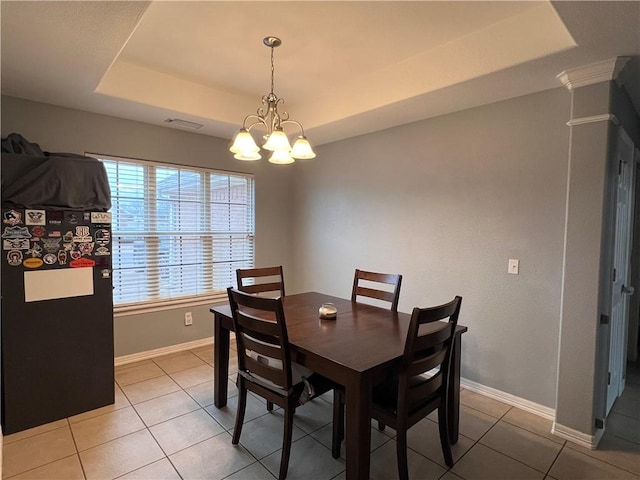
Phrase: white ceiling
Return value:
(344, 68)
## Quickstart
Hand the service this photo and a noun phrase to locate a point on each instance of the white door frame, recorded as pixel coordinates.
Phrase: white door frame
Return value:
(621, 291)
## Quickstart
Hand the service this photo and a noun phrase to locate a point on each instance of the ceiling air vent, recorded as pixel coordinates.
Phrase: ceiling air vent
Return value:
(184, 123)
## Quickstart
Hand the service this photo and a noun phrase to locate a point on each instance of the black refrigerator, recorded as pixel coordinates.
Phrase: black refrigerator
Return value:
(57, 304)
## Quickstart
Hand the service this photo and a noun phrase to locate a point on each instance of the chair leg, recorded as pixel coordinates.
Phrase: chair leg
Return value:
(242, 404)
(338, 423)
(381, 425)
(401, 452)
(269, 406)
(444, 436)
(286, 441)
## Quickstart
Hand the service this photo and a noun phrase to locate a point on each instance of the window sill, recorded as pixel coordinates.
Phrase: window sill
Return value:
(126, 310)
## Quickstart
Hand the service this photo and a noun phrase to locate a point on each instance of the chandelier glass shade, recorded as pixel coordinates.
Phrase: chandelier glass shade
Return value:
(276, 140)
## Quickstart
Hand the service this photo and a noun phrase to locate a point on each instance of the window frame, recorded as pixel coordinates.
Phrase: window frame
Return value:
(150, 200)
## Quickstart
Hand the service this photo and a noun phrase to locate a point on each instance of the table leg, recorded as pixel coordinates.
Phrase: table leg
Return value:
(220, 362)
(453, 408)
(358, 427)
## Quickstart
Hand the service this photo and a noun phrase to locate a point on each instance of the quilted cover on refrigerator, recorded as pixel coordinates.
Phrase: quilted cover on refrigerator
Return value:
(32, 178)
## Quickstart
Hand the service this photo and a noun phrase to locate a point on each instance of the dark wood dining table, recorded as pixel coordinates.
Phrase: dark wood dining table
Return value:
(355, 350)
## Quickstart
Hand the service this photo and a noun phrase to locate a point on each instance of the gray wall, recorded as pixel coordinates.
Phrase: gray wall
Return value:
(446, 202)
(59, 129)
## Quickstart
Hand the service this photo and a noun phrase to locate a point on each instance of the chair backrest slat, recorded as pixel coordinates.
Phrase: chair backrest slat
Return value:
(425, 390)
(260, 327)
(368, 291)
(252, 280)
(426, 352)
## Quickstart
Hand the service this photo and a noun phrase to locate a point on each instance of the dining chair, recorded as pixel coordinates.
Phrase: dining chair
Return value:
(368, 291)
(265, 368)
(248, 280)
(407, 395)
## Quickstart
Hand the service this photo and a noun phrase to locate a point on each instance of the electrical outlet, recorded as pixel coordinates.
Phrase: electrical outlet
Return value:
(514, 266)
(188, 319)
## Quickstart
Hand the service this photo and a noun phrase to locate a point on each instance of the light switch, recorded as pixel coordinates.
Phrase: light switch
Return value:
(514, 266)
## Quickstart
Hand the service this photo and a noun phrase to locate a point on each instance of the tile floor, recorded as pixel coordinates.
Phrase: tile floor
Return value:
(163, 425)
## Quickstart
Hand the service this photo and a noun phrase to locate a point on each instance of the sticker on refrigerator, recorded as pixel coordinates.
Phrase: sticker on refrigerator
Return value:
(35, 217)
(82, 263)
(16, 244)
(11, 217)
(106, 273)
(82, 235)
(73, 217)
(38, 231)
(51, 244)
(100, 217)
(16, 232)
(86, 248)
(103, 237)
(62, 257)
(33, 262)
(102, 251)
(50, 258)
(35, 250)
(14, 258)
(55, 218)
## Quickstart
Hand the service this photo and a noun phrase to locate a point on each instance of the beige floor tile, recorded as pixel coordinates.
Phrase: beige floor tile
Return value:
(628, 405)
(203, 393)
(529, 448)
(533, 423)
(204, 353)
(424, 438)
(484, 404)
(473, 423)
(126, 366)
(312, 415)
(309, 460)
(67, 468)
(226, 416)
(193, 376)
(212, 459)
(614, 451)
(325, 436)
(121, 401)
(139, 373)
(38, 450)
(573, 465)
(120, 456)
(14, 437)
(255, 471)
(384, 464)
(148, 389)
(178, 361)
(160, 470)
(483, 463)
(101, 429)
(450, 476)
(624, 427)
(186, 430)
(263, 435)
(163, 408)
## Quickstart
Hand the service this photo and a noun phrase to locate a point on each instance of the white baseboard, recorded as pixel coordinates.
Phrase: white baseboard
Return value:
(582, 439)
(521, 403)
(136, 357)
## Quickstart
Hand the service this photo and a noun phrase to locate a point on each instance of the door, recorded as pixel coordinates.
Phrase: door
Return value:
(622, 268)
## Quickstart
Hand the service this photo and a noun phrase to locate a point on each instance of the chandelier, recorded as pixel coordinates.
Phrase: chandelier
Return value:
(276, 141)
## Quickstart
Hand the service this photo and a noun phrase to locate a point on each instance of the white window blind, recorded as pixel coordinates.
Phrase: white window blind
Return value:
(179, 233)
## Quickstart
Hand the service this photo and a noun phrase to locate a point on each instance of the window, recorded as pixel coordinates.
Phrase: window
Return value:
(179, 233)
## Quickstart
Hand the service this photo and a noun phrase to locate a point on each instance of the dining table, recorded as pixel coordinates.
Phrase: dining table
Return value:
(356, 349)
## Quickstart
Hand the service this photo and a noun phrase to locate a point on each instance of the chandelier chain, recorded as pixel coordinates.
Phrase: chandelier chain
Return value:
(272, 69)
